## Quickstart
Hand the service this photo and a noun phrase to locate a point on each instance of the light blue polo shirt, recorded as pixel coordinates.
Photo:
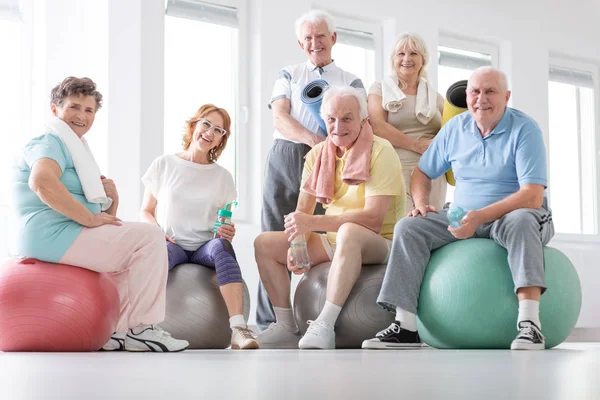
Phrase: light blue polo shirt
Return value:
(43, 233)
(488, 169)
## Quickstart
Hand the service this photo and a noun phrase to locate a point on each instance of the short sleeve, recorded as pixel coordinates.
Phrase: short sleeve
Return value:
(358, 85)
(46, 146)
(282, 89)
(376, 89)
(530, 157)
(434, 162)
(150, 179)
(386, 174)
(309, 163)
(440, 103)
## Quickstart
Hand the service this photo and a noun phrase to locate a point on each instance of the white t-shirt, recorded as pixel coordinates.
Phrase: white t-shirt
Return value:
(188, 196)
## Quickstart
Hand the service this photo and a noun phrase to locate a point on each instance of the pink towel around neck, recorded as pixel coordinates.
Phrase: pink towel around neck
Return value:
(321, 182)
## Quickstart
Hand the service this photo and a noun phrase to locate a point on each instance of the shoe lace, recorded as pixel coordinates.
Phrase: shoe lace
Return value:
(528, 332)
(393, 328)
(246, 333)
(160, 331)
(316, 323)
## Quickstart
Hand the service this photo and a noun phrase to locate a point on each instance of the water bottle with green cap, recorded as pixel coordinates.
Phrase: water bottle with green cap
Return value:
(224, 217)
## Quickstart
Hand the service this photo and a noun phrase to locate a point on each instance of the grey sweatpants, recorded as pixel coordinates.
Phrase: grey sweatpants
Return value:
(522, 232)
(283, 175)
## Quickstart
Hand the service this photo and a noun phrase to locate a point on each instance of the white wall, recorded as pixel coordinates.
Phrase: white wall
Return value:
(525, 31)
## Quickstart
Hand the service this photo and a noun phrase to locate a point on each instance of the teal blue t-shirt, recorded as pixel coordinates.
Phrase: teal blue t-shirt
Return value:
(43, 233)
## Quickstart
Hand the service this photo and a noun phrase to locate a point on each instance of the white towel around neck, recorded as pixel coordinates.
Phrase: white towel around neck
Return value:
(84, 162)
(392, 98)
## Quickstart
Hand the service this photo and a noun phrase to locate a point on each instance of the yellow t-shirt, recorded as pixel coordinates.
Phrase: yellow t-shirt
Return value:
(386, 180)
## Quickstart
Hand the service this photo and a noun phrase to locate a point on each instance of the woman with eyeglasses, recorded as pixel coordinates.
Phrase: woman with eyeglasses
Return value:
(184, 192)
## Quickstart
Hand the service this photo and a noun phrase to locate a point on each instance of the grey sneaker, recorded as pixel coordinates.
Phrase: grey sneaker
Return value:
(153, 338)
(116, 342)
(277, 336)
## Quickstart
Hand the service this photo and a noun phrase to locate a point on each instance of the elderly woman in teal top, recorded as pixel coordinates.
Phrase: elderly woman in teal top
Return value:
(67, 213)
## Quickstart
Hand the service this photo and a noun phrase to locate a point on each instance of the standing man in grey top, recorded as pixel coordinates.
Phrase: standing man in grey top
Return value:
(296, 130)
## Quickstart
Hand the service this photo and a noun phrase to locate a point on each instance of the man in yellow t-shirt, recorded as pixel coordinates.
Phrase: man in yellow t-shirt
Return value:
(359, 221)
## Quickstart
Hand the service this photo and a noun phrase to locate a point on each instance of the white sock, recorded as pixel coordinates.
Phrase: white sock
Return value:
(285, 317)
(237, 321)
(407, 319)
(529, 310)
(330, 313)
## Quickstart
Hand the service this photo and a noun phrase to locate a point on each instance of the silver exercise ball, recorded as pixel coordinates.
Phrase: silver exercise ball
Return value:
(361, 318)
(196, 310)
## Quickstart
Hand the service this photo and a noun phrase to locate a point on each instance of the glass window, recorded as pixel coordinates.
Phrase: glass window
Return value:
(12, 106)
(572, 188)
(456, 64)
(354, 52)
(200, 70)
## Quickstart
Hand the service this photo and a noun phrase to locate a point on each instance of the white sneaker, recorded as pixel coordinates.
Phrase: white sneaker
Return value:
(116, 342)
(153, 338)
(319, 335)
(277, 336)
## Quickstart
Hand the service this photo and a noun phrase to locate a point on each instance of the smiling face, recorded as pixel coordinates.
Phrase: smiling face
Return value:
(487, 97)
(205, 139)
(342, 118)
(317, 42)
(78, 112)
(407, 62)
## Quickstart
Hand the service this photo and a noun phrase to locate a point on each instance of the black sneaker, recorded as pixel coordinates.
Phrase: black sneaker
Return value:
(529, 338)
(394, 338)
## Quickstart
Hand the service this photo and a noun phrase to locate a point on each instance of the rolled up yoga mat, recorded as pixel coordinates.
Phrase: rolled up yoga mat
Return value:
(311, 96)
(455, 103)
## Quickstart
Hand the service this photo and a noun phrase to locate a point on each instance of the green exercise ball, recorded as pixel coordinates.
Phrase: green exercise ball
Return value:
(467, 298)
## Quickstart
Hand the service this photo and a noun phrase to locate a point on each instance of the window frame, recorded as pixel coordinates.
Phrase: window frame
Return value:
(565, 62)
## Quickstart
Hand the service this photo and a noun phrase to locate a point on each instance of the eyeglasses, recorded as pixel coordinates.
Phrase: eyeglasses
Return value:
(207, 126)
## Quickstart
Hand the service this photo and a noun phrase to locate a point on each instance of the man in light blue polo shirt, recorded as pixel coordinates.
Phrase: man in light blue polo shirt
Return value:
(499, 160)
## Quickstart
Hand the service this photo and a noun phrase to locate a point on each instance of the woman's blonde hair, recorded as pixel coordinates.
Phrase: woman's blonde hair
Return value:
(416, 43)
(202, 112)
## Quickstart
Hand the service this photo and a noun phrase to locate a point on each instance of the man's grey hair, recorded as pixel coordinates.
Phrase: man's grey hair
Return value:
(487, 69)
(344, 91)
(315, 17)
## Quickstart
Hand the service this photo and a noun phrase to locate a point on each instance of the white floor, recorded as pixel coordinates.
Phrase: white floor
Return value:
(571, 371)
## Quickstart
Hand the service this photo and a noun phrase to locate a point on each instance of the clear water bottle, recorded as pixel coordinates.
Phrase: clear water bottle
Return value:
(223, 218)
(455, 215)
(300, 252)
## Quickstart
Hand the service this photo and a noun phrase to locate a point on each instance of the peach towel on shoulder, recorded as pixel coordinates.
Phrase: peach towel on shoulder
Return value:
(321, 182)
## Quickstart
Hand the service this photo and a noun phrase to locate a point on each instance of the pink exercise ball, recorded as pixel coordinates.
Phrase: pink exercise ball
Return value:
(55, 307)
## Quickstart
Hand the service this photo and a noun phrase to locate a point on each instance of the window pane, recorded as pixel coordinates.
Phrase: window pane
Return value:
(356, 60)
(564, 187)
(11, 102)
(588, 169)
(198, 74)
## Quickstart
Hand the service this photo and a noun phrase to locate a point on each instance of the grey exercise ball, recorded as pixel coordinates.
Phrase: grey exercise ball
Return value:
(196, 310)
(361, 318)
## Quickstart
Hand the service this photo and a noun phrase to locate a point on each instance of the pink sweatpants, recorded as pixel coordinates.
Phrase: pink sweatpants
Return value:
(135, 256)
